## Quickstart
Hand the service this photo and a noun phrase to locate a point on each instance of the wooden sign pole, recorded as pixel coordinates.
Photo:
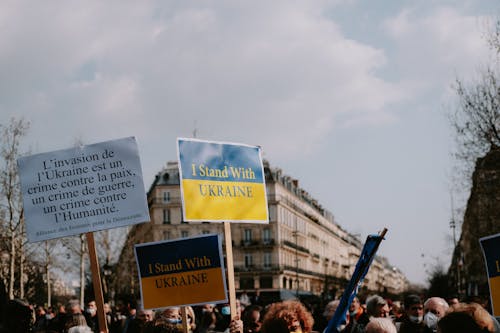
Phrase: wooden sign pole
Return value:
(96, 282)
(185, 324)
(230, 268)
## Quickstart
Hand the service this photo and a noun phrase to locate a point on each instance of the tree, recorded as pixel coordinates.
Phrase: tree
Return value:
(12, 215)
(476, 120)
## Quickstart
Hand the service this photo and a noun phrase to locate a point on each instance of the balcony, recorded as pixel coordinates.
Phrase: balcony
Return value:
(257, 243)
(295, 246)
(257, 268)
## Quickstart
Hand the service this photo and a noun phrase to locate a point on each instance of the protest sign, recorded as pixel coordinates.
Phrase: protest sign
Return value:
(491, 251)
(187, 271)
(83, 189)
(222, 182)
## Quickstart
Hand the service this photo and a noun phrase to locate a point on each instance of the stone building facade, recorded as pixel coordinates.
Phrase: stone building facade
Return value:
(482, 218)
(302, 251)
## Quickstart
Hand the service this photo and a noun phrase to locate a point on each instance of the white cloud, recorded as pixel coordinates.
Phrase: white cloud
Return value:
(237, 68)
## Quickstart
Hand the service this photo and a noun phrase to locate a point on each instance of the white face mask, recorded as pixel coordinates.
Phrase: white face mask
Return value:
(431, 320)
(415, 319)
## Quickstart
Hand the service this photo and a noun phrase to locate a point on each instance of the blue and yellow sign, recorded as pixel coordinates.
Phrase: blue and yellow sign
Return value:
(491, 251)
(222, 182)
(181, 272)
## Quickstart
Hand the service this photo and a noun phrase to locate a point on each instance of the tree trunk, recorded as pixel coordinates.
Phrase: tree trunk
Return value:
(22, 263)
(12, 265)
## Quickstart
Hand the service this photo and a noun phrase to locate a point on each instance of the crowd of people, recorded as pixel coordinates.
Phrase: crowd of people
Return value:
(374, 314)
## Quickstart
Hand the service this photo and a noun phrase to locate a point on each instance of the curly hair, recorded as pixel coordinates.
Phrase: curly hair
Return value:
(282, 314)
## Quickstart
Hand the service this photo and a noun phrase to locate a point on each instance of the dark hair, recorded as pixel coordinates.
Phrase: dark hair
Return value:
(18, 316)
(459, 322)
(411, 300)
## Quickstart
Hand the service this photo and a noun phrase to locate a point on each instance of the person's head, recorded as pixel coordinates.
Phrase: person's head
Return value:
(80, 329)
(107, 308)
(437, 306)
(477, 312)
(91, 308)
(40, 311)
(377, 307)
(18, 316)
(252, 313)
(458, 322)
(207, 307)
(172, 315)
(73, 306)
(380, 325)
(145, 315)
(355, 305)
(452, 300)
(330, 309)
(397, 309)
(75, 319)
(287, 317)
(414, 308)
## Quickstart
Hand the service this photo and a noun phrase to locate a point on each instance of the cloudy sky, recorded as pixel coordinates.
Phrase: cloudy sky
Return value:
(350, 97)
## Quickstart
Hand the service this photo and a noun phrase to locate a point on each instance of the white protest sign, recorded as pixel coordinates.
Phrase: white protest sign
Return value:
(83, 189)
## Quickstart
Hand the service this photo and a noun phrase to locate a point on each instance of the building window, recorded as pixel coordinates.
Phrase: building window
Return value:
(247, 236)
(184, 234)
(247, 283)
(166, 216)
(267, 260)
(166, 196)
(266, 235)
(266, 282)
(248, 260)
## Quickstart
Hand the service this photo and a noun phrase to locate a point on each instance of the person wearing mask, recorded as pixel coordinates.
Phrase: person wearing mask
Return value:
(227, 322)
(413, 318)
(91, 316)
(434, 309)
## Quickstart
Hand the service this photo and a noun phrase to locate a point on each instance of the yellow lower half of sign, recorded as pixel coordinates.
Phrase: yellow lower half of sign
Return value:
(495, 294)
(183, 288)
(224, 201)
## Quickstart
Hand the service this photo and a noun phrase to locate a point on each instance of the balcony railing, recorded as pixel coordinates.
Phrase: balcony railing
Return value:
(257, 243)
(295, 246)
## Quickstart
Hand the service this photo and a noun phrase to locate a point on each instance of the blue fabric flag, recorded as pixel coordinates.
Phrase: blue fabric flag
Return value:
(364, 262)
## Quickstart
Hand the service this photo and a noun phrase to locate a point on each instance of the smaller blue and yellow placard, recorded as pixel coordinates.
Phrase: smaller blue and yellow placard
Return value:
(491, 251)
(222, 182)
(187, 271)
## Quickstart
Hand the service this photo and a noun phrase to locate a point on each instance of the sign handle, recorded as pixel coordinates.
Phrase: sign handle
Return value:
(96, 282)
(185, 325)
(230, 268)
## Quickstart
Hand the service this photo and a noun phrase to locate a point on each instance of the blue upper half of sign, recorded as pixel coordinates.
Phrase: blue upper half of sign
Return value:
(201, 160)
(169, 257)
(491, 250)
